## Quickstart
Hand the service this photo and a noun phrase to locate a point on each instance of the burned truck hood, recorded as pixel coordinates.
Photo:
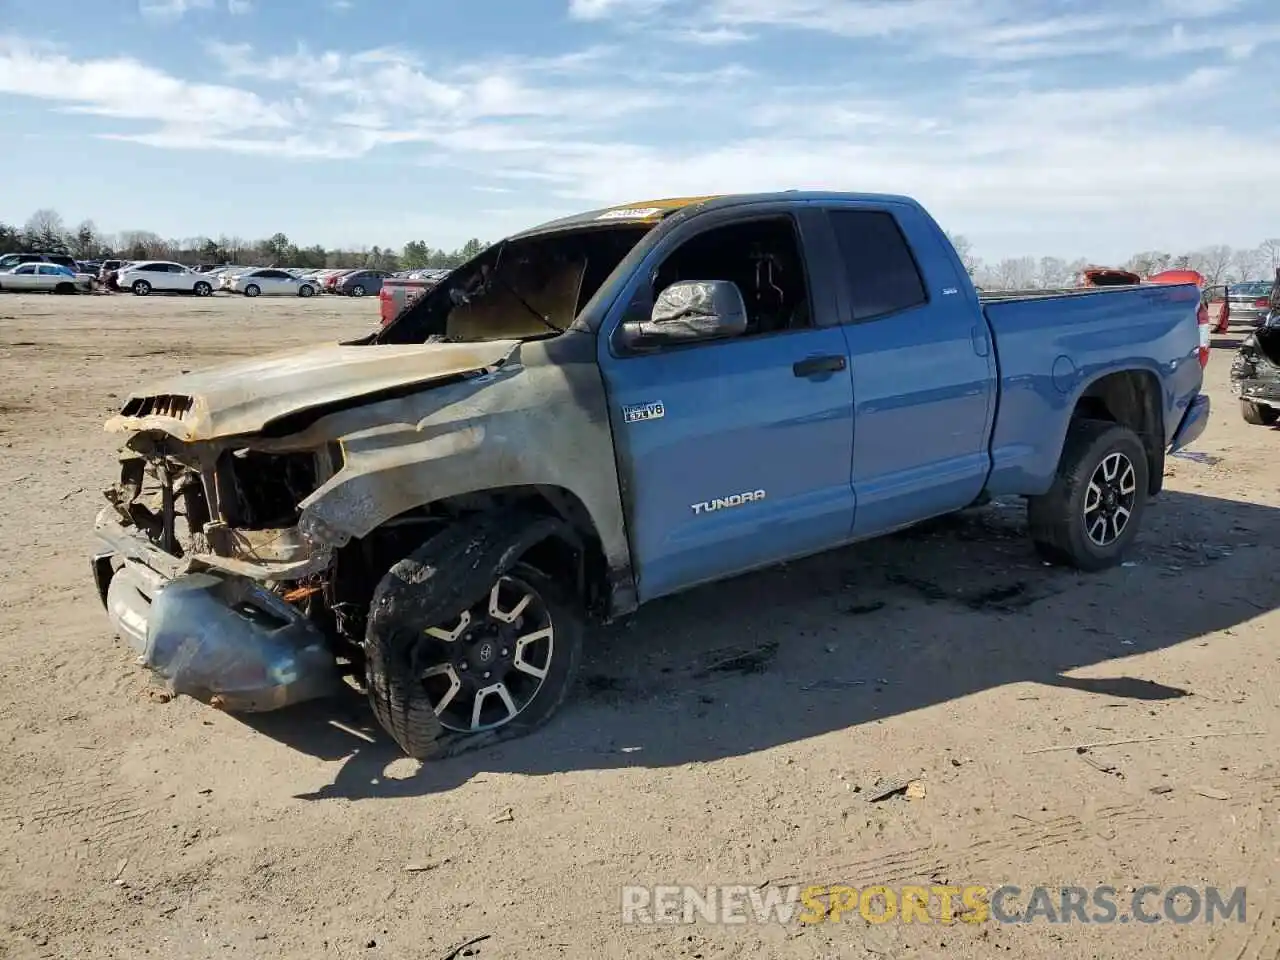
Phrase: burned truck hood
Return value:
(243, 397)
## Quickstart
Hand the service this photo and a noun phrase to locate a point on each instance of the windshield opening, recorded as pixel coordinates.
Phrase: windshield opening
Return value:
(517, 289)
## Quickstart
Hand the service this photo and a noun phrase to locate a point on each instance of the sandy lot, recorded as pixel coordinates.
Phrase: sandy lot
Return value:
(131, 827)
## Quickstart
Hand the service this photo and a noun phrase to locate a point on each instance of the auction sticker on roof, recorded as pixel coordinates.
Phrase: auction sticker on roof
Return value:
(630, 213)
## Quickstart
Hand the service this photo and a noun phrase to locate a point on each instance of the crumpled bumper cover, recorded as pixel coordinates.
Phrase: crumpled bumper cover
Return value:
(221, 639)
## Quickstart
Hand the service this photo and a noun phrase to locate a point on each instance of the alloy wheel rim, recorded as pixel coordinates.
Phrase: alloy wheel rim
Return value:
(1109, 499)
(489, 664)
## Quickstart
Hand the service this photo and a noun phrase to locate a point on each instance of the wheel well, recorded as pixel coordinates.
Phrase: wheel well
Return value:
(575, 559)
(1130, 398)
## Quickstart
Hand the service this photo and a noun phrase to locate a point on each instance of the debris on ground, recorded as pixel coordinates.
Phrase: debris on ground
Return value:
(1083, 754)
(1213, 793)
(912, 787)
(508, 816)
(464, 949)
(745, 661)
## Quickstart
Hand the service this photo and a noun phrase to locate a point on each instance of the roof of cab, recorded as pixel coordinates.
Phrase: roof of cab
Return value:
(651, 212)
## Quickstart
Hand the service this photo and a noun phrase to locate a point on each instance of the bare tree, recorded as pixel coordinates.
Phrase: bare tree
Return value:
(45, 231)
(964, 250)
(1148, 262)
(1249, 264)
(1012, 273)
(1212, 262)
(1270, 251)
(1052, 273)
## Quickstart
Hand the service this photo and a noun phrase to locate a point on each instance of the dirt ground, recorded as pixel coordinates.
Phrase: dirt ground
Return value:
(733, 735)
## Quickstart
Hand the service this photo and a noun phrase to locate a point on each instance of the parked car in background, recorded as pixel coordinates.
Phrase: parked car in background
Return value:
(44, 278)
(163, 276)
(359, 283)
(1249, 302)
(268, 282)
(332, 277)
(399, 293)
(10, 260)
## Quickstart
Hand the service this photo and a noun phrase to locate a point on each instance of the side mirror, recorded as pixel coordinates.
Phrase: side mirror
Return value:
(689, 311)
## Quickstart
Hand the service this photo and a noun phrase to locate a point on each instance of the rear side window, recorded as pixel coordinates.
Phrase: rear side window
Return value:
(882, 274)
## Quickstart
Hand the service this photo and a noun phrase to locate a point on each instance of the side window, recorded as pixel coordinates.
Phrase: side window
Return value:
(883, 276)
(762, 257)
(153, 268)
(177, 268)
(26, 270)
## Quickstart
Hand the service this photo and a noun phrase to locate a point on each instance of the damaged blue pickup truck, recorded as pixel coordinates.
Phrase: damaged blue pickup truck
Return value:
(604, 410)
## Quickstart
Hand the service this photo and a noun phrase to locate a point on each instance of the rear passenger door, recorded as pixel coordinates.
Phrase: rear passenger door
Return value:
(924, 373)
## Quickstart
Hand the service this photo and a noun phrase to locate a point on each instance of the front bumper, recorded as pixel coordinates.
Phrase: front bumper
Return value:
(215, 636)
(1263, 391)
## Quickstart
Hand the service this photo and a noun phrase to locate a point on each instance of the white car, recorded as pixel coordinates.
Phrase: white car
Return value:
(269, 281)
(163, 276)
(45, 278)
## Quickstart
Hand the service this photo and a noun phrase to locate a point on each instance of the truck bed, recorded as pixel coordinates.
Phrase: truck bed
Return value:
(1052, 345)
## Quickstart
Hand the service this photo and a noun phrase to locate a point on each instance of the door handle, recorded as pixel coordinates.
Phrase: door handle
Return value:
(812, 366)
(979, 337)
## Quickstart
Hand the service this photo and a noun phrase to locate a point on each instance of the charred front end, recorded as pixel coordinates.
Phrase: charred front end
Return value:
(204, 571)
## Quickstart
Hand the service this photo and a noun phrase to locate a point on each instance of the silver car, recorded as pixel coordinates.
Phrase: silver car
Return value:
(1249, 302)
(270, 281)
(44, 278)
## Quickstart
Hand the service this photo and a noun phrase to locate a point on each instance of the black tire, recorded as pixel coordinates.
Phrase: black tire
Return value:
(202, 289)
(1259, 414)
(252, 290)
(1060, 522)
(306, 290)
(141, 288)
(65, 289)
(357, 290)
(448, 575)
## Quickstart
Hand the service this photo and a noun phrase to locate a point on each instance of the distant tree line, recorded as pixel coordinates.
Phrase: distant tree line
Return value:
(1217, 264)
(45, 232)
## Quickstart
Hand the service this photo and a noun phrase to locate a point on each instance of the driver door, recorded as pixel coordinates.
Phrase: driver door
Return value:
(733, 454)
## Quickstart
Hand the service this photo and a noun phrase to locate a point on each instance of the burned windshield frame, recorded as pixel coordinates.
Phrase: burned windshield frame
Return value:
(419, 322)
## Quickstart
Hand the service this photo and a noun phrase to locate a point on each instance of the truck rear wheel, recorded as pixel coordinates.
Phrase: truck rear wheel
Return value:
(1259, 414)
(465, 645)
(1091, 514)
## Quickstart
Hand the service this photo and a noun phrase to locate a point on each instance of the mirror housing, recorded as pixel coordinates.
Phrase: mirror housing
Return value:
(689, 311)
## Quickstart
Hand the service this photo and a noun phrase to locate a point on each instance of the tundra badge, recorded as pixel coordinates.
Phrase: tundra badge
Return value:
(733, 500)
(633, 412)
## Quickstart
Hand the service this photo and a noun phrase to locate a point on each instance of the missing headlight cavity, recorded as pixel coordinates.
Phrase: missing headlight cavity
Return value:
(267, 487)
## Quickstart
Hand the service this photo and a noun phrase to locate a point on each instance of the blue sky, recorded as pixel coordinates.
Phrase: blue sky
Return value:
(1065, 127)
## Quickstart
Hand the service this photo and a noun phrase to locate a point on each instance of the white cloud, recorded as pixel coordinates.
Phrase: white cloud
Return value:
(1006, 150)
(603, 9)
(125, 89)
(171, 9)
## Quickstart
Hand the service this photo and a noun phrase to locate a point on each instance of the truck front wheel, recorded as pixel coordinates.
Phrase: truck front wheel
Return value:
(1091, 514)
(467, 646)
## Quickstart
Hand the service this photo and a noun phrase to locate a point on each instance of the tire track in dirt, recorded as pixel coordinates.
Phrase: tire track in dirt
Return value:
(1259, 937)
(942, 863)
(92, 809)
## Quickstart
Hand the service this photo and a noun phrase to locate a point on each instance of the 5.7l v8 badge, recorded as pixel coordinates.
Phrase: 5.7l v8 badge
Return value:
(634, 412)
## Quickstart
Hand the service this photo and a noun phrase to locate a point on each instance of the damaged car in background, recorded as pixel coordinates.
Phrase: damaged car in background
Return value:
(1255, 374)
(605, 410)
